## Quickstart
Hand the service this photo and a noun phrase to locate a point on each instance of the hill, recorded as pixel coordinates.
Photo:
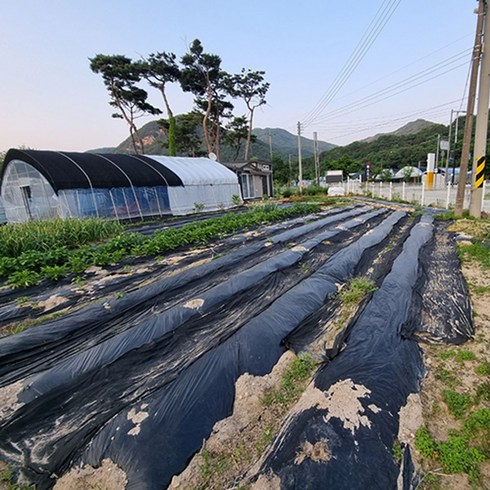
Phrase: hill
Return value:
(407, 145)
(283, 144)
(412, 127)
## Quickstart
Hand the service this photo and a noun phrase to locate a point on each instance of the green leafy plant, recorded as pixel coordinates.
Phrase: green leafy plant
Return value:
(425, 443)
(23, 279)
(457, 457)
(356, 290)
(235, 199)
(464, 355)
(476, 429)
(53, 272)
(457, 403)
(34, 264)
(483, 369)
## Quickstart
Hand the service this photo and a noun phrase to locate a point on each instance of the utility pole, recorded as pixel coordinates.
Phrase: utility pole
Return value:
(300, 163)
(290, 171)
(437, 151)
(475, 62)
(480, 148)
(315, 152)
(446, 179)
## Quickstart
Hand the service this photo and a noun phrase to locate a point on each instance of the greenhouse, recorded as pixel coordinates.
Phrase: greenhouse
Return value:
(48, 184)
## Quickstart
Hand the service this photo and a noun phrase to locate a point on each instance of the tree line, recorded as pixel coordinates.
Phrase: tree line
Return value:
(197, 72)
(388, 151)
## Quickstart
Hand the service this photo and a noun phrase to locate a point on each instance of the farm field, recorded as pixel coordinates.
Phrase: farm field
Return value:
(295, 345)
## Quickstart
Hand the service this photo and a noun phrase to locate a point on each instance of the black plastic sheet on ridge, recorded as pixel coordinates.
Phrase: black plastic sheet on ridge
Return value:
(377, 359)
(32, 343)
(181, 409)
(441, 307)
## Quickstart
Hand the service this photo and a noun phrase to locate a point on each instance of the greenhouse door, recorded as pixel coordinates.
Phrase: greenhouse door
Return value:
(25, 191)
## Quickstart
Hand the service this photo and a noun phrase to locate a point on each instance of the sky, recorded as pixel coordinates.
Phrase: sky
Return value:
(414, 64)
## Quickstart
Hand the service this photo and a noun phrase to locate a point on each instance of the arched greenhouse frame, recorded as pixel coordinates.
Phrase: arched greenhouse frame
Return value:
(47, 184)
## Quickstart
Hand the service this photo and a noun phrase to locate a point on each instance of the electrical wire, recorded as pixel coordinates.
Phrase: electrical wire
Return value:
(410, 82)
(383, 15)
(433, 111)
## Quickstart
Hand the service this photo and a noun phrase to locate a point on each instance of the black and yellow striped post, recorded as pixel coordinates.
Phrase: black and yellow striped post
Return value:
(480, 172)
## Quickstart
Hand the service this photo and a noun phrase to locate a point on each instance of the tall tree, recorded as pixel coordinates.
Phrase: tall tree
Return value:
(202, 76)
(221, 109)
(159, 69)
(251, 88)
(187, 133)
(236, 131)
(120, 75)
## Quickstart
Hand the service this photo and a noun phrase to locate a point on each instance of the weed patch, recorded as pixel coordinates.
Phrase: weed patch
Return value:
(483, 392)
(456, 455)
(464, 355)
(483, 369)
(397, 451)
(358, 288)
(457, 403)
(7, 480)
(447, 377)
(291, 385)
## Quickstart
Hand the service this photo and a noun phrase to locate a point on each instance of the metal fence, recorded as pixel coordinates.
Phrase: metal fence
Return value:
(442, 196)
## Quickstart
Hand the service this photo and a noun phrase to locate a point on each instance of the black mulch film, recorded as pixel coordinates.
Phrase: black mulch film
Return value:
(142, 379)
(355, 417)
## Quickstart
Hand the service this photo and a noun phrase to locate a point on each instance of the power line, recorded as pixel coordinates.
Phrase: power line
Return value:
(434, 110)
(412, 82)
(376, 26)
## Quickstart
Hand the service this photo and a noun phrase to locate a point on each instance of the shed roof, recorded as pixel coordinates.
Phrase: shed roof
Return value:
(67, 170)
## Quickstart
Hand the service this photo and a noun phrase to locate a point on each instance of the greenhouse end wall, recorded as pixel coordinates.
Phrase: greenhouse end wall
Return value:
(26, 194)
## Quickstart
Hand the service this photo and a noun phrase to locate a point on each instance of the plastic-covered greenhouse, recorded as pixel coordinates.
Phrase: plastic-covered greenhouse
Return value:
(47, 184)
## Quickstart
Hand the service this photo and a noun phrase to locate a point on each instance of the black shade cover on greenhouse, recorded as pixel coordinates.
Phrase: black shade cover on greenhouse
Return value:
(69, 170)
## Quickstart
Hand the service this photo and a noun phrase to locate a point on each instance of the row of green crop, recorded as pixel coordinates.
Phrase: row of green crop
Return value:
(45, 235)
(34, 264)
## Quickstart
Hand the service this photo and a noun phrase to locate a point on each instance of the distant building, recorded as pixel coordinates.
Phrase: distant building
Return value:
(334, 177)
(255, 178)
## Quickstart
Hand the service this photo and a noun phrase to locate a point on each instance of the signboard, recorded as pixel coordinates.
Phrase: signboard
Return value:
(444, 145)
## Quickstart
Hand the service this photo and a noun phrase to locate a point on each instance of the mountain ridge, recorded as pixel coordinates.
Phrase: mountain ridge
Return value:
(283, 144)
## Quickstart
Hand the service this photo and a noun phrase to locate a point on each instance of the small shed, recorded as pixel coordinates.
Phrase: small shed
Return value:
(47, 184)
(334, 177)
(255, 177)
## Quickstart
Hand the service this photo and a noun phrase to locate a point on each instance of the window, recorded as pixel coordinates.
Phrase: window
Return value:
(247, 186)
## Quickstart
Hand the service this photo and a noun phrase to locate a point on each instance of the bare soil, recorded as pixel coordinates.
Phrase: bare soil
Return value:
(435, 414)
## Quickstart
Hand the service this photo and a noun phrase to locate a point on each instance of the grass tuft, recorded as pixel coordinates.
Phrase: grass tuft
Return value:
(358, 288)
(291, 385)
